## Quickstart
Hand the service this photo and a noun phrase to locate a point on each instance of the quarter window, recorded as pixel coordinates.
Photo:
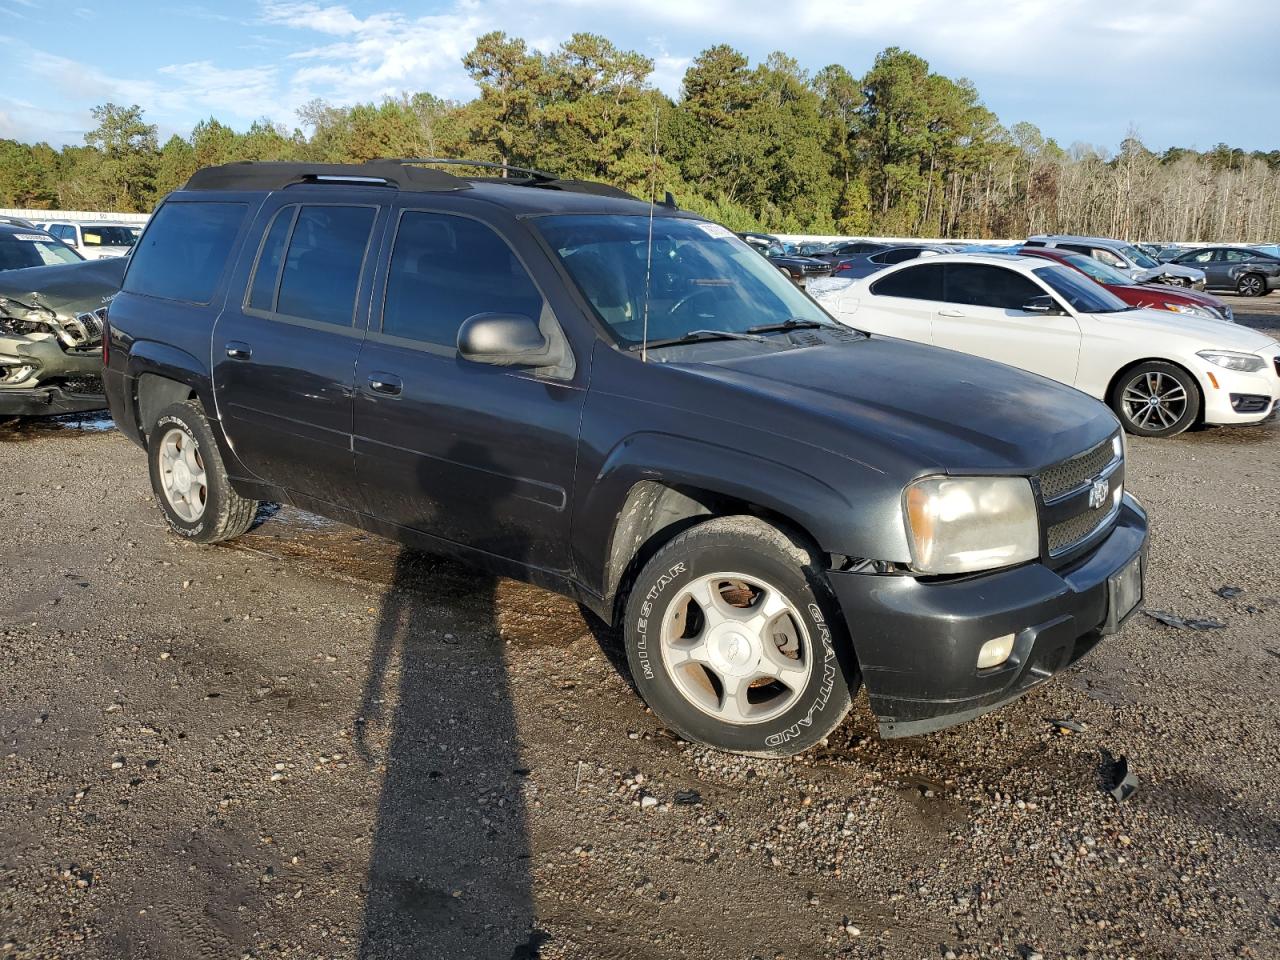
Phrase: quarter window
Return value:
(184, 250)
(913, 283)
(445, 269)
(982, 285)
(322, 268)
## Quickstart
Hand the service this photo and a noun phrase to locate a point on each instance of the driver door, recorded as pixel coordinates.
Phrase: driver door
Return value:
(982, 314)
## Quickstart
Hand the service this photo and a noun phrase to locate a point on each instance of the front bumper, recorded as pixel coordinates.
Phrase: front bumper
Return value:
(917, 641)
(1218, 392)
(48, 401)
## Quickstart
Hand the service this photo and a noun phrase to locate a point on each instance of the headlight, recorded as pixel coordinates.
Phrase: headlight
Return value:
(1191, 310)
(1233, 360)
(962, 524)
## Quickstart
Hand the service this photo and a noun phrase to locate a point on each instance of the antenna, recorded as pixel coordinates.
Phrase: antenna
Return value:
(648, 260)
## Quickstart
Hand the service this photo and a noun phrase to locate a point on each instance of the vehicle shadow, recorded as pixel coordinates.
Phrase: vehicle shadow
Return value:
(448, 873)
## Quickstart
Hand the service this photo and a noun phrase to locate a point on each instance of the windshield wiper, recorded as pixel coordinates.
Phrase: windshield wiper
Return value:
(700, 336)
(795, 323)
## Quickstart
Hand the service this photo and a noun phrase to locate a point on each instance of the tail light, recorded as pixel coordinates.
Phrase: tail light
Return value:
(842, 266)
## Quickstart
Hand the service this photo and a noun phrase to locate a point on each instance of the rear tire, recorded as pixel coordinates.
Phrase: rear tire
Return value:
(189, 479)
(734, 640)
(1156, 399)
(1252, 285)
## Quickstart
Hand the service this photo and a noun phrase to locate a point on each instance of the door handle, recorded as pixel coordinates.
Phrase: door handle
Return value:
(239, 351)
(951, 313)
(387, 384)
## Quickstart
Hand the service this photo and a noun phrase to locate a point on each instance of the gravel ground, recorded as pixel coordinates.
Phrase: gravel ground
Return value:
(312, 744)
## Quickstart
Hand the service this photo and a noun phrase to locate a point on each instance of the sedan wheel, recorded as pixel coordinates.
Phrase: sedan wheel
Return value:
(1251, 285)
(1156, 400)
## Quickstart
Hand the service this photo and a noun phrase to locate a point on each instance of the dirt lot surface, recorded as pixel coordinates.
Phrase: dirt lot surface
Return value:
(311, 744)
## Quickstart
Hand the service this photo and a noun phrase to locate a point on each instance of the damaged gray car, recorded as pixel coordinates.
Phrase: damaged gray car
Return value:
(51, 323)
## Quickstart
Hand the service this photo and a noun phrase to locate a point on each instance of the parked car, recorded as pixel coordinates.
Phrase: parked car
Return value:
(624, 403)
(1126, 258)
(1161, 372)
(1244, 270)
(851, 248)
(95, 240)
(51, 335)
(812, 249)
(1159, 296)
(865, 264)
(800, 269)
(31, 247)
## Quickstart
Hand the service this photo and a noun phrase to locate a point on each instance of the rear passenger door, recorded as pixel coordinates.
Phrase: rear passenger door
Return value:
(478, 455)
(982, 314)
(284, 352)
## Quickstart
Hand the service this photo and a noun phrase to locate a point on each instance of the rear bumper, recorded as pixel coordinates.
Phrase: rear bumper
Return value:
(48, 401)
(917, 642)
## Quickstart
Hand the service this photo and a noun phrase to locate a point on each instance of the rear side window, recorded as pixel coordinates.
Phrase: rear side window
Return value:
(184, 251)
(445, 269)
(982, 285)
(262, 288)
(323, 265)
(914, 283)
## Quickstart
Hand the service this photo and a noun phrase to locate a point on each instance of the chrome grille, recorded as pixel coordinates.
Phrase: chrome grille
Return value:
(1071, 474)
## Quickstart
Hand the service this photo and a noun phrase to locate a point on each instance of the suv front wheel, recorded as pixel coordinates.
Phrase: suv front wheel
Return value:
(189, 479)
(733, 640)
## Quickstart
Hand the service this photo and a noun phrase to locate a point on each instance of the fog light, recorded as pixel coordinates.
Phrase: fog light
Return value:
(995, 652)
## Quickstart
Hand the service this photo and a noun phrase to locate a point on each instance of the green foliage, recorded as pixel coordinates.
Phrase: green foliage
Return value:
(899, 150)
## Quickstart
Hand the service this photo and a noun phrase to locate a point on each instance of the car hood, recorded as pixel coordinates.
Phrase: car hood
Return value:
(1208, 334)
(962, 413)
(1161, 292)
(1170, 270)
(67, 288)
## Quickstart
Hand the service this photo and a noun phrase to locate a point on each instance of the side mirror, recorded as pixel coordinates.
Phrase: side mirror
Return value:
(1044, 304)
(504, 340)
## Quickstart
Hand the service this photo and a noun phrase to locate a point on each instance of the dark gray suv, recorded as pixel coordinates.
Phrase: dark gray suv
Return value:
(623, 402)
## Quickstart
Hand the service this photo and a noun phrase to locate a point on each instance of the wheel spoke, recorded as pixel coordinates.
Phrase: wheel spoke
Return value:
(763, 612)
(682, 654)
(776, 664)
(734, 705)
(706, 595)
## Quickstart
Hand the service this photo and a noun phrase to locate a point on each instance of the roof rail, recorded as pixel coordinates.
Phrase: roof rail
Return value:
(276, 175)
(531, 173)
(532, 177)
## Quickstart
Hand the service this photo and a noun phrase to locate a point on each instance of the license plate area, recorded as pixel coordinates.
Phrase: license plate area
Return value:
(1124, 593)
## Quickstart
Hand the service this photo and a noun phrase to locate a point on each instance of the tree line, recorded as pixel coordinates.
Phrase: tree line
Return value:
(900, 151)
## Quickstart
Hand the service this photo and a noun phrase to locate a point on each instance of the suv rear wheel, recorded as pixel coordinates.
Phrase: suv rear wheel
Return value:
(733, 640)
(1156, 399)
(189, 479)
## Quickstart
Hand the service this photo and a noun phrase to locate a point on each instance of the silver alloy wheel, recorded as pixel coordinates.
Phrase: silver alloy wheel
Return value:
(1154, 400)
(736, 648)
(1251, 285)
(182, 474)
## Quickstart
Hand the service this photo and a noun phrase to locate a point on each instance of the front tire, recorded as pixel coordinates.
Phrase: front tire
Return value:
(734, 640)
(1156, 399)
(189, 479)
(1252, 285)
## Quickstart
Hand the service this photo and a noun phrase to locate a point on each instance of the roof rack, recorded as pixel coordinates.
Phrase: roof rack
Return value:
(406, 173)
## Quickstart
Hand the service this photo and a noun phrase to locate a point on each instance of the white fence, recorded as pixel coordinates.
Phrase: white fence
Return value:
(85, 216)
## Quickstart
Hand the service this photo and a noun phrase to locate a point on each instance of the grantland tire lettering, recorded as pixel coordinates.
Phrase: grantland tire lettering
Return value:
(199, 527)
(824, 692)
(642, 623)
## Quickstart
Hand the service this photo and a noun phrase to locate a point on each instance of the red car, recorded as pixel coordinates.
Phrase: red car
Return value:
(1158, 296)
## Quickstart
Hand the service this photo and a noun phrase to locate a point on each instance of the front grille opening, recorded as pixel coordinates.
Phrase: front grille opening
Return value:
(1071, 474)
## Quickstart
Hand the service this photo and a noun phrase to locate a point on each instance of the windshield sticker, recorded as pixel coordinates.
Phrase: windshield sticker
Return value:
(715, 230)
(32, 237)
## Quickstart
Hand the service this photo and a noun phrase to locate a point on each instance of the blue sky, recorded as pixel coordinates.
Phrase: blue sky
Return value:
(1179, 71)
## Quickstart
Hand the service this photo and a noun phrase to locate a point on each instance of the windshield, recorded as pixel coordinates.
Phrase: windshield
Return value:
(1097, 270)
(702, 277)
(96, 236)
(18, 250)
(1134, 255)
(1082, 293)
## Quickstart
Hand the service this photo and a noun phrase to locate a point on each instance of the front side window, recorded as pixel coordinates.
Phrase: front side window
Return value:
(1079, 291)
(923, 282)
(322, 267)
(445, 269)
(694, 276)
(1204, 256)
(184, 250)
(982, 285)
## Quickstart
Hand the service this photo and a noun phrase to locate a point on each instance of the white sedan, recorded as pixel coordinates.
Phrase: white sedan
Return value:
(1160, 372)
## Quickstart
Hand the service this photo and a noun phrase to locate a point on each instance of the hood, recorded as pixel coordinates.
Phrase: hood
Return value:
(1169, 270)
(1207, 334)
(1160, 292)
(918, 402)
(67, 288)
